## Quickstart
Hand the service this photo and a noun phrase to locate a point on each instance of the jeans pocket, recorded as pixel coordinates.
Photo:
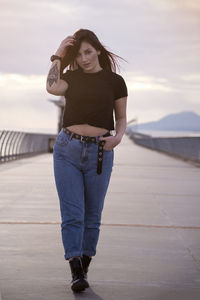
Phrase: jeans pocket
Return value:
(62, 139)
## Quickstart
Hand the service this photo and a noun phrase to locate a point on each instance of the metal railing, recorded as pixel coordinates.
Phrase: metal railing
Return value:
(16, 144)
(186, 148)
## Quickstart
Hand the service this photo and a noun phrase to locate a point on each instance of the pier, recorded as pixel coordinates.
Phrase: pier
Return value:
(149, 245)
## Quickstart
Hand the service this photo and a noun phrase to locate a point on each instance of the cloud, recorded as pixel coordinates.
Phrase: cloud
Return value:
(148, 83)
(24, 100)
(24, 103)
(192, 5)
(18, 81)
(159, 39)
(194, 78)
(150, 105)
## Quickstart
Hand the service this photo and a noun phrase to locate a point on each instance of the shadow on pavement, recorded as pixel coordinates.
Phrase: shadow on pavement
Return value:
(88, 294)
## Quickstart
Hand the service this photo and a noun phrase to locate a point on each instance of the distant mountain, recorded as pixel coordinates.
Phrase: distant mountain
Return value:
(183, 121)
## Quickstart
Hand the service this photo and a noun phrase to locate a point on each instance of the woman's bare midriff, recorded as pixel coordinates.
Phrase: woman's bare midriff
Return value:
(86, 129)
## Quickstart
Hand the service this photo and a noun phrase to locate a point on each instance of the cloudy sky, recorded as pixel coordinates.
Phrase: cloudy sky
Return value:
(159, 39)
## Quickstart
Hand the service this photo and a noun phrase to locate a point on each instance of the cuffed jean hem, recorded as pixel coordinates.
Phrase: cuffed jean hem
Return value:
(89, 253)
(73, 254)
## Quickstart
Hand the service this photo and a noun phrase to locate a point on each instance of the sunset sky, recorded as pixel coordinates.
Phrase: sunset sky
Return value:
(159, 39)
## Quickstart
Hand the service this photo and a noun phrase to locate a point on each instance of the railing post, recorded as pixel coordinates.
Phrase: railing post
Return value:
(16, 144)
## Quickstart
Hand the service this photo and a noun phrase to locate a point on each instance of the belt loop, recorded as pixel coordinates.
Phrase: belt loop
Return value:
(71, 135)
(97, 139)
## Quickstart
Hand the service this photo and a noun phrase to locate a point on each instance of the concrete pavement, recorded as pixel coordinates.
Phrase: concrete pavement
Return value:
(149, 246)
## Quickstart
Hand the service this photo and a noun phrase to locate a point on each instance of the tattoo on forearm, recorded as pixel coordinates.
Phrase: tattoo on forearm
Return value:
(53, 75)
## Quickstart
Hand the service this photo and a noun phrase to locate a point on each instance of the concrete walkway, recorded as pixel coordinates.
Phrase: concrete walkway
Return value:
(149, 246)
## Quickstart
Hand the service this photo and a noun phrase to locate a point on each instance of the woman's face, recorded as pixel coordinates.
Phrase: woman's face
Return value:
(87, 58)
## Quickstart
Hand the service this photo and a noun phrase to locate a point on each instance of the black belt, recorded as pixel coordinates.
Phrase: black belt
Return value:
(91, 139)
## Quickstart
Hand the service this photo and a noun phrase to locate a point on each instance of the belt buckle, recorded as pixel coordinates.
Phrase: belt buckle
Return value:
(82, 138)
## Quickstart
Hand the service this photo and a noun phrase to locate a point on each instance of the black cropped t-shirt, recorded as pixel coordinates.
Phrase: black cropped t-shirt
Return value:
(90, 97)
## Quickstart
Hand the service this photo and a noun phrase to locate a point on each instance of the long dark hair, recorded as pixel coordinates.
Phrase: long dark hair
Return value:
(107, 59)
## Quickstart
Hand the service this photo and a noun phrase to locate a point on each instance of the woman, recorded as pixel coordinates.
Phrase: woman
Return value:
(83, 152)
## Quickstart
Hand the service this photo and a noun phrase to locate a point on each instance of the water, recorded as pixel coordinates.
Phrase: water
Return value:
(171, 133)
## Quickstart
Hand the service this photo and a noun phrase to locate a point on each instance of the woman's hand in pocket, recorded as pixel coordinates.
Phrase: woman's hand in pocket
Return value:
(110, 142)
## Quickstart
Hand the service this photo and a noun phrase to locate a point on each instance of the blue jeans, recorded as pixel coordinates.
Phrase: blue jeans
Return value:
(81, 192)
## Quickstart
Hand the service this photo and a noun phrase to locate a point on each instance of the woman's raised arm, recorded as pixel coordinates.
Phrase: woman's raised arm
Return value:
(54, 84)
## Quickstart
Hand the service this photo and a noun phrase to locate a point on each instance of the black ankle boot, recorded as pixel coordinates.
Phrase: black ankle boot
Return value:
(79, 282)
(85, 263)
